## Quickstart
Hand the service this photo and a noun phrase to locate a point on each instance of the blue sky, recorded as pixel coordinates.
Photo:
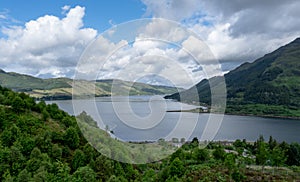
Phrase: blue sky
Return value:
(46, 38)
(99, 14)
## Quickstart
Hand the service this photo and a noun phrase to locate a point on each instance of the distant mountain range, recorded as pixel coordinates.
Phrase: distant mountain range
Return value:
(61, 88)
(268, 86)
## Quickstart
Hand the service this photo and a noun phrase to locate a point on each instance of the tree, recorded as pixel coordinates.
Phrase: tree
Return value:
(85, 174)
(233, 167)
(45, 115)
(33, 164)
(219, 153)
(18, 104)
(7, 138)
(41, 175)
(195, 142)
(176, 168)
(68, 121)
(104, 168)
(201, 155)
(23, 176)
(293, 154)
(278, 156)
(17, 159)
(230, 163)
(71, 138)
(56, 152)
(272, 143)
(28, 144)
(78, 160)
(149, 176)
(178, 154)
(89, 152)
(182, 140)
(262, 154)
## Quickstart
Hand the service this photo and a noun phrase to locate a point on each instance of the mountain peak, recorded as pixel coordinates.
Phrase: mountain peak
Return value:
(2, 71)
(297, 40)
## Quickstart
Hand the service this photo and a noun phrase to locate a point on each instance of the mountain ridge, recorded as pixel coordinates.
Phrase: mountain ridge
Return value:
(272, 81)
(61, 88)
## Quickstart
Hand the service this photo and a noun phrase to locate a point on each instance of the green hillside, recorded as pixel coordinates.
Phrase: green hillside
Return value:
(22, 82)
(40, 142)
(61, 88)
(268, 86)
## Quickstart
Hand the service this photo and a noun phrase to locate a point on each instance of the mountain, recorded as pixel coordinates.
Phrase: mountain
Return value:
(61, 88)
(268, 86)
(21, 82)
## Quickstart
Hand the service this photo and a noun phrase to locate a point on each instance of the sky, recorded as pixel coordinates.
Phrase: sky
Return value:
(48, 38)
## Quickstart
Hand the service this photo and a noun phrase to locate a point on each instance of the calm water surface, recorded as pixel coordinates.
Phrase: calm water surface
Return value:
(177, 124)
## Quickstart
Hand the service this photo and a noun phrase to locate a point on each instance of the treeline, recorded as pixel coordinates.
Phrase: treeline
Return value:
(39, 142)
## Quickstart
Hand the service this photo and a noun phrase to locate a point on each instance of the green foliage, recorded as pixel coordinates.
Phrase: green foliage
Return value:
(18, 104)
(33, 148)
(104, 168)
(261, 153)
(219, 153)
(176, 168)
(293, 154)
(23, 176)
(278, 157)
(83, 174)
(201, 155)
(71, 138)
(78, 160)
(268, 86)
(45, 115)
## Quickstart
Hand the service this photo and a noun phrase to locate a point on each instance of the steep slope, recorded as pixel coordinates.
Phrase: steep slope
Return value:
(40, 142)
(272, 80)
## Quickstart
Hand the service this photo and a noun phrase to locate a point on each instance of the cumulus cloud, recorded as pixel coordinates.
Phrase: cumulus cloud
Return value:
(152, 57)
(47, 45)
(65, 9)
(171, 9)
(236, 31)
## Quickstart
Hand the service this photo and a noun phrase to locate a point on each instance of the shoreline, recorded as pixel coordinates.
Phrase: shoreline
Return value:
(265, 116)
(235, 114)
(241, 114)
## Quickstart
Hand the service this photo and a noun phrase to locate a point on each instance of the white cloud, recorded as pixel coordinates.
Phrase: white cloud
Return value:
(171, 9)
(2, 16)
(165, 30)
(47, 43)
(161, 49)
(65, 9)
(236, 31)
(149, 58)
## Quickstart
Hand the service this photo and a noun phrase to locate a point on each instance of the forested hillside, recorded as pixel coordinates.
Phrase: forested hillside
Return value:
(39, 142)
(268, 86)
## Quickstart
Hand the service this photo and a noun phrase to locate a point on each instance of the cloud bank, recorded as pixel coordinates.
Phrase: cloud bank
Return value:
(236, 31)
(46, 47)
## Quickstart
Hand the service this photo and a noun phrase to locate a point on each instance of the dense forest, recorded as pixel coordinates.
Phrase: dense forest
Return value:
(269, 86)
(40, 142)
